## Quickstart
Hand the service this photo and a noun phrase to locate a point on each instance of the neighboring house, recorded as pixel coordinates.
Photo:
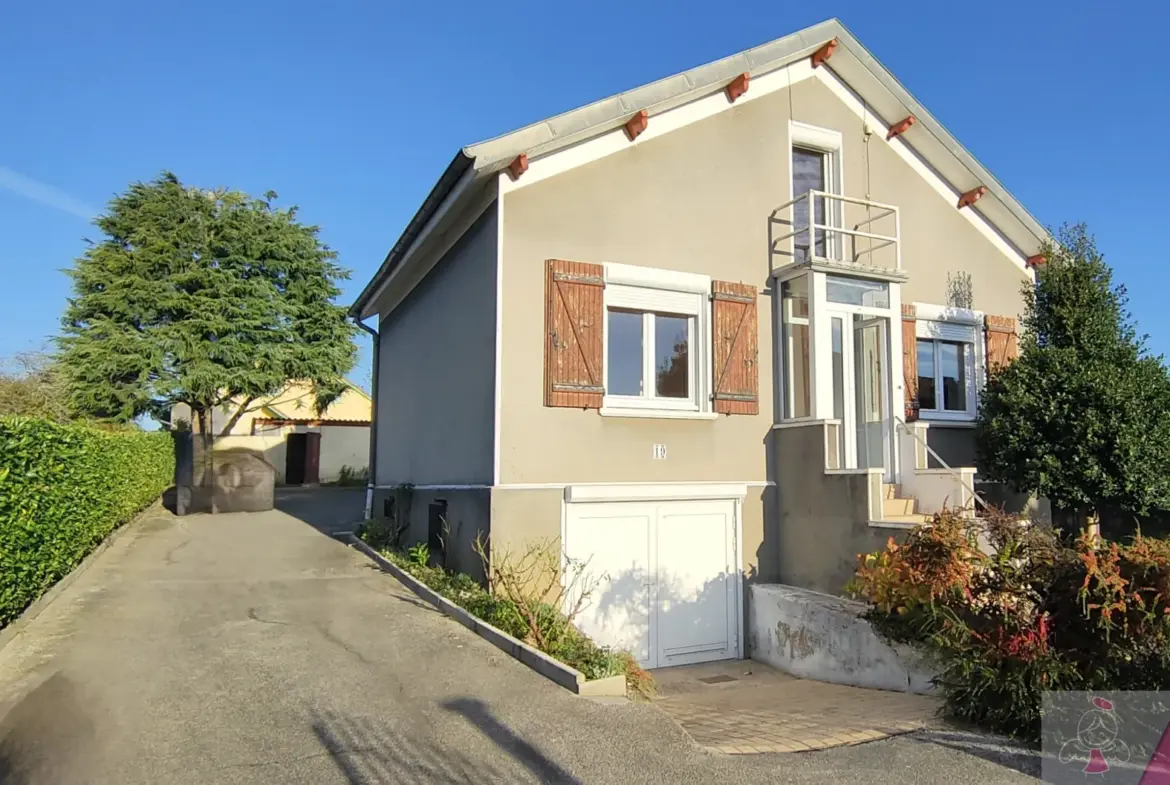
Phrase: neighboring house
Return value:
(305, 447)
(618, 329)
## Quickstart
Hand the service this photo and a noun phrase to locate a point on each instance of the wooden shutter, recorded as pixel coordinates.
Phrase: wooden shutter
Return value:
(1002, 340)
(573, 326)
(736, 348)
(910, 361)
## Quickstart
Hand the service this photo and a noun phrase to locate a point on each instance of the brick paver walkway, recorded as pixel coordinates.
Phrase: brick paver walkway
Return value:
(745, 707)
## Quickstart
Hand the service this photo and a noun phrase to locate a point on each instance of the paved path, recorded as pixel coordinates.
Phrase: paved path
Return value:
(745, 707)
(254, 649)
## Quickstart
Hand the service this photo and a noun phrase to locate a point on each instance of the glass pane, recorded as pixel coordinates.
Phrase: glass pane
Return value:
(808, 174)
(926, 375)
(857, 291)
(953, 359)
(624, 336)
(671, 341)
(838, 370)
(869, 359)
(796, 359)
(794, 293)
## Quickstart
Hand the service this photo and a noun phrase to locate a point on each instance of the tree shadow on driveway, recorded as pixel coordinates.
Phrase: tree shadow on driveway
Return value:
(478, 713)
(48, 736)
(329, 510)
(1005, 752)
(368, 755)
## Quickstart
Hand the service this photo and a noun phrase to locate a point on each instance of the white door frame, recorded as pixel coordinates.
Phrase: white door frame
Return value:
(671, 492)
(848, 428)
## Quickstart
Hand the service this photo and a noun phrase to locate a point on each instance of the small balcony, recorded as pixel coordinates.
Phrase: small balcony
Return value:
(839, 233)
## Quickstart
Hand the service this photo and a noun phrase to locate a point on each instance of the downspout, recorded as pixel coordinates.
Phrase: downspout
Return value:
(373, 418)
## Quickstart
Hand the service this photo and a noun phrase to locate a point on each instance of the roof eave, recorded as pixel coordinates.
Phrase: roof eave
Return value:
(852, 61)
(439, 192)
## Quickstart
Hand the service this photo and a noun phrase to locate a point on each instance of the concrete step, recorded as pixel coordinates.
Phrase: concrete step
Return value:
(913, 519)
(898, 506)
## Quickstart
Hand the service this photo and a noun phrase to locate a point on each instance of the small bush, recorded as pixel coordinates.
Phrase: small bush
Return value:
(63, 489)
(540, 624)
(420, 554)
(1034, 611)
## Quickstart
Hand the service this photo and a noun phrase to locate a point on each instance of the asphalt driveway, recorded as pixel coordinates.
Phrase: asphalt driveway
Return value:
(255, 649)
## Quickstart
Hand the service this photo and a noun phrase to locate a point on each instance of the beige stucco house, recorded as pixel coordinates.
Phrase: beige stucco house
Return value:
(730, 326)
(303, 445)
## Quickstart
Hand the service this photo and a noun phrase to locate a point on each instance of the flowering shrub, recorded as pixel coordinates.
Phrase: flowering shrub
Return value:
(1008, 609)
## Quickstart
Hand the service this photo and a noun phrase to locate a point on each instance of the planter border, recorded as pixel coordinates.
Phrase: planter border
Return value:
(553, 670)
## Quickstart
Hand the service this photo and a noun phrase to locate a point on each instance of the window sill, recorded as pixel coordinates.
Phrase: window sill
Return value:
(957, 419)
(656, 414)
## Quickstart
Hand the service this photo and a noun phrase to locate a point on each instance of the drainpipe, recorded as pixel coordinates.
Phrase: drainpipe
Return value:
(373, 418)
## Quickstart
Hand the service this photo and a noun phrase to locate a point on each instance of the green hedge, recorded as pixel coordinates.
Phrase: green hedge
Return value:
(63, 489)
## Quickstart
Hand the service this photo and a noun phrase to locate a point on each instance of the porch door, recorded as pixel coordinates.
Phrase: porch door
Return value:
(860, 369)
(871, 368)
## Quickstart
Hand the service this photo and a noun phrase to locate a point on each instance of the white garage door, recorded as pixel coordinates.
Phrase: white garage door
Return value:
(668, 587)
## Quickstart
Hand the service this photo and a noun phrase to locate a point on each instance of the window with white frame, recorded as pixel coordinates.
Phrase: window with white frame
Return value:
(655, 348)
(816, 166)
(950, 362)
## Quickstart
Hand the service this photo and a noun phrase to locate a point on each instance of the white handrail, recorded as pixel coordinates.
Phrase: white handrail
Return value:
(900, 423)
(811, 227)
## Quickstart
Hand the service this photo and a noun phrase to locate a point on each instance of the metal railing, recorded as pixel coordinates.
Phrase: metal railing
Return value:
(831, 234)
(905, 427)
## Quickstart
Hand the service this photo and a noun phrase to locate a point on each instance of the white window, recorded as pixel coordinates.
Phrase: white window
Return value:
(816, 166)
(950, 362)
(656, 346)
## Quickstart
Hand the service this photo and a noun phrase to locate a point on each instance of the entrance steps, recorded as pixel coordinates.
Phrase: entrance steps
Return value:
(900, 509)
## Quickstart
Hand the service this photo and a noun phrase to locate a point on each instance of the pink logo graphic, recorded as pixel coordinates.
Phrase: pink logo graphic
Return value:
(1097, 744)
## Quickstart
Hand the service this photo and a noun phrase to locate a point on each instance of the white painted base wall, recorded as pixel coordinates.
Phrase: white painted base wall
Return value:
(821, 637)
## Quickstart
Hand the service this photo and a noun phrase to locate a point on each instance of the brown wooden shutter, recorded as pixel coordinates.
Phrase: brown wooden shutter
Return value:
(574, 320)
(735, 341)
(1002, 340)
(910, 361)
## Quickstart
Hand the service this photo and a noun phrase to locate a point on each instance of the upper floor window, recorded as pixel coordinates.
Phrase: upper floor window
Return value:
(816, 166)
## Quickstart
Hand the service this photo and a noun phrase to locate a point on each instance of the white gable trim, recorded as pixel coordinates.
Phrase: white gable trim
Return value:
(615, 141)
(915, 162)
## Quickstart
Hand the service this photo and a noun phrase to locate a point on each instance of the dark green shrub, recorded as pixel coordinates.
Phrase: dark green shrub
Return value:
(63, 489)
(1035, 611)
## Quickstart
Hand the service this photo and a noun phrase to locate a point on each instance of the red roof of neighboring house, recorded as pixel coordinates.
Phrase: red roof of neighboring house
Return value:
(309, 422)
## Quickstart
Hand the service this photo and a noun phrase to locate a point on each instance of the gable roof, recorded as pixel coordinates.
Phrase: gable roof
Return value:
(852, 62)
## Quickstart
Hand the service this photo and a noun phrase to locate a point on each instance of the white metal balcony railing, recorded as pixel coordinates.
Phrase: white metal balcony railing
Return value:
(830, 241)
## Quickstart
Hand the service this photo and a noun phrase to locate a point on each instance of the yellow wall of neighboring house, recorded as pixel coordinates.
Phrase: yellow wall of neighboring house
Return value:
(293, 403)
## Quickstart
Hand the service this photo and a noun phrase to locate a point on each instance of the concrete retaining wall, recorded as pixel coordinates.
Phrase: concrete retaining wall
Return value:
(818, 636)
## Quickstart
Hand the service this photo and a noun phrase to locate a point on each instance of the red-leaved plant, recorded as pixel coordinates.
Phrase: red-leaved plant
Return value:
(1007, 609)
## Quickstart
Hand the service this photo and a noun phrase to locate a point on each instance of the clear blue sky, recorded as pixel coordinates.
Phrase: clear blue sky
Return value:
(352, 109)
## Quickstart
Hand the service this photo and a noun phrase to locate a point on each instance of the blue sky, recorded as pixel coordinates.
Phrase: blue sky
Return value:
(351, 110)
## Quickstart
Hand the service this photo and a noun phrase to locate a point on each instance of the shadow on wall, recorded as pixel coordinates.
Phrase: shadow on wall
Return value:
(367, 754)
(447, 520)
(694, 619)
